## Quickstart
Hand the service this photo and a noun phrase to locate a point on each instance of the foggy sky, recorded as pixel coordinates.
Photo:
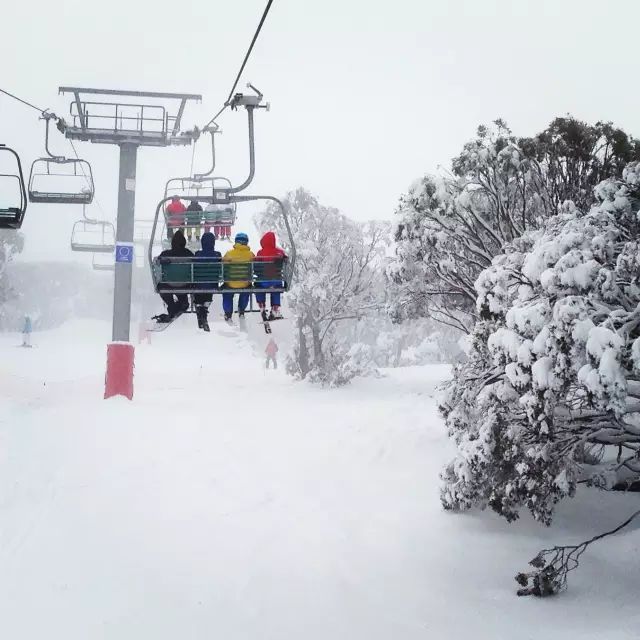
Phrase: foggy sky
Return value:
(366, 95)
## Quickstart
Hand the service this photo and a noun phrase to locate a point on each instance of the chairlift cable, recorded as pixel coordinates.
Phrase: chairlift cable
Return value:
(104, 215)
(41, 111)
(244, 64)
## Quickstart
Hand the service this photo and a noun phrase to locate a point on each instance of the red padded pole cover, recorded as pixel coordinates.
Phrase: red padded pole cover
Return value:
(119, 378)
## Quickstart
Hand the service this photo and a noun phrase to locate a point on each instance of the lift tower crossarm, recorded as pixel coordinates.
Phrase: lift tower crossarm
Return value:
(143, 122)
(138, 94)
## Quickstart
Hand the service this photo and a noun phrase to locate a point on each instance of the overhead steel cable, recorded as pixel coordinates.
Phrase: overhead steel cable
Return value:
(244, 64)
(42, 111)
(90, 183)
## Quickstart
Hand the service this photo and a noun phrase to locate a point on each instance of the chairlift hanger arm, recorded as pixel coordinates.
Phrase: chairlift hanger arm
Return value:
(47, 117)
(252, 155)
(212, 130)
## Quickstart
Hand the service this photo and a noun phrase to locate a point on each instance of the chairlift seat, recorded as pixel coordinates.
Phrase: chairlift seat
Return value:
(12, 212)
(48, 197)
(225, 216)
(72, 186)
(93, 236)
(207, 270)
(190, 275)
(102, 266)
(193, 218)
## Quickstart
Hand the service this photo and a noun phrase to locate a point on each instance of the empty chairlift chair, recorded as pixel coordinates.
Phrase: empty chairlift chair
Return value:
(103, 262)
(93, 236)
(13, 195)
(59, 180)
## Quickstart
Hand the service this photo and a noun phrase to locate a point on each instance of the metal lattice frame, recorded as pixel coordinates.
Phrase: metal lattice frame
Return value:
(115, 122)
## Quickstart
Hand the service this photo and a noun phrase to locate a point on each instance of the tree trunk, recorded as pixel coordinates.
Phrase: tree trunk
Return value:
(303, 352)
(318, 358)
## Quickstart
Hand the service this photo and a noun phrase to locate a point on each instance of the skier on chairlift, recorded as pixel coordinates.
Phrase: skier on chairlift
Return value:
(276, 256)
(177, 303)
(193, 218)
(240, 253)
(203, 300)
(216, 214)
(176, 211)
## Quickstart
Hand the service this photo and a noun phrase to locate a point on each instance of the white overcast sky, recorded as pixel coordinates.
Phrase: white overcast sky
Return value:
(366, 95)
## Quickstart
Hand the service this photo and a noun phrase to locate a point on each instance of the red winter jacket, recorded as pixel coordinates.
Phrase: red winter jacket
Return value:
(176, 206)
(272, 348)
(269, 250)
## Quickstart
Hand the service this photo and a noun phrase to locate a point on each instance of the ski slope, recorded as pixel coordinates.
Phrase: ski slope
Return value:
(229, 502)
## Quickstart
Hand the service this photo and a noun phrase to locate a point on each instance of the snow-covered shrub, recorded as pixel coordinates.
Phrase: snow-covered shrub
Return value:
(450, 227)
(339, 281)
(11, 243)
(550, 392)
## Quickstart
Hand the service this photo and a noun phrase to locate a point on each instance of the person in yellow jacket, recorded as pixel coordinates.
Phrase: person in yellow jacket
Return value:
(236, 277)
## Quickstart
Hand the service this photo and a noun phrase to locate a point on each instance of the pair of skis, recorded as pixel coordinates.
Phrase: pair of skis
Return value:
(267, 319)
(164, 321)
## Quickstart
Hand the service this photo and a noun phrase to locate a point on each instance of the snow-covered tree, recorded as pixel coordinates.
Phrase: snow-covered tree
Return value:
(11, 243)
(550, 393)
(450, 227)
(339, 279)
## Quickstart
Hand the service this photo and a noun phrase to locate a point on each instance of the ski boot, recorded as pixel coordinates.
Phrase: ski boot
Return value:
(201, 314)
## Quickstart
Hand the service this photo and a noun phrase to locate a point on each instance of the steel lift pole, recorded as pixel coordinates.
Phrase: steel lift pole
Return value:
(124, 243)
(129, 119)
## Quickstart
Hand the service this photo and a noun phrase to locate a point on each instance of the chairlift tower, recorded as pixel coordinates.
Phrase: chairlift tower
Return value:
(129, 119)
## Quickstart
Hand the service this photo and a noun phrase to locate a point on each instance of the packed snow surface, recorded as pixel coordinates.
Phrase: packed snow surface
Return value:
(230, 502)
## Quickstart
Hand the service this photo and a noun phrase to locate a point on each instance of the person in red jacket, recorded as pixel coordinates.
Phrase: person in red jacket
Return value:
(273, 254)
(176, 211)
(271, 352)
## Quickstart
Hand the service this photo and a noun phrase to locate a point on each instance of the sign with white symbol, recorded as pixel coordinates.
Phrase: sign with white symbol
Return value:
(124, 252)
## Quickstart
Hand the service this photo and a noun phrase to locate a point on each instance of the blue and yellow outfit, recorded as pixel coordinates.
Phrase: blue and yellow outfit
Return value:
(241, 253)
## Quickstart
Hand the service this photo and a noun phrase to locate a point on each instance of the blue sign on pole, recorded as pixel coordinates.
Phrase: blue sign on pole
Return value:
(124, 252)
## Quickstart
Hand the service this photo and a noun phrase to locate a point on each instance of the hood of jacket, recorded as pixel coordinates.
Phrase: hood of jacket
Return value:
(178, 241)
(268, 242)
(208, 242)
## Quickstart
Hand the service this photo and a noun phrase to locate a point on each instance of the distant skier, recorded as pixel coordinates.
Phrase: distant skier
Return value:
(218, 215)
(271, 351)
(176, 211)
(239, 254)
(271, 253)
(193, 219)
(26, 332)
(176, 302)
(203, 300)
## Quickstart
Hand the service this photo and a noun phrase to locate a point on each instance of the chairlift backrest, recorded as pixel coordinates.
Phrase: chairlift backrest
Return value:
(95, 236)
(102, 262)
(13, 195)
(61, 181)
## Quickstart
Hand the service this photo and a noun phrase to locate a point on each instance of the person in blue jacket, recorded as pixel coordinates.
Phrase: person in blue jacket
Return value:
(203, 300)
(26, 332)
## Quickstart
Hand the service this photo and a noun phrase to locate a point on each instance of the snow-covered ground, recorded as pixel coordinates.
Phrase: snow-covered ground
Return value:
(229, 502)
